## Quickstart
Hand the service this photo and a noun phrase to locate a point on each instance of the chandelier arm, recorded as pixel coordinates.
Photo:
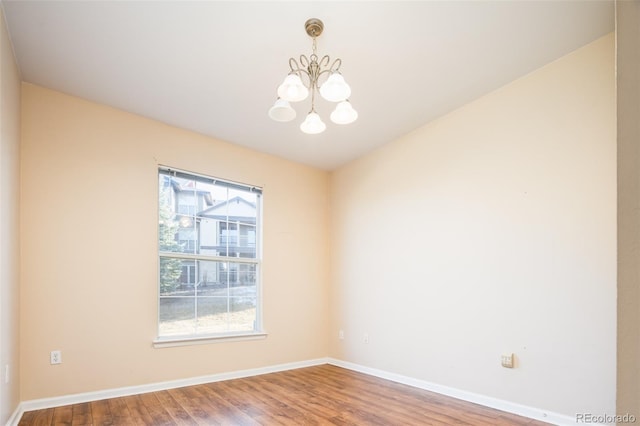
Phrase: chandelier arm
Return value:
(299, 70)
(327, 71)
(318, 70)
(301, 73)
(335, 66)
(324, 61)
(293, 64)
(304, 61)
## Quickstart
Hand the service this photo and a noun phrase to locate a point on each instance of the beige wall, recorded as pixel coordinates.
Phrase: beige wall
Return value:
(89, 258)
(490, 230)
(9, 226)
(628, 69)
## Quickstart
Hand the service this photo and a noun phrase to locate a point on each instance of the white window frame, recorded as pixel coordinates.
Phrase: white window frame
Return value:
(192, 339)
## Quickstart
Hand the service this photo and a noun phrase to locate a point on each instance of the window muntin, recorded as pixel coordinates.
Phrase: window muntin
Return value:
(209, 260)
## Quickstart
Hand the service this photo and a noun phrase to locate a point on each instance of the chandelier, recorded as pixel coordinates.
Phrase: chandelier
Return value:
(304, 78)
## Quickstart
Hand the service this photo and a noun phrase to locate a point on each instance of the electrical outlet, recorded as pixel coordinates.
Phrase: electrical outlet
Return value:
(506, 360)
(341, 334)
(365, 339)
(56, 357)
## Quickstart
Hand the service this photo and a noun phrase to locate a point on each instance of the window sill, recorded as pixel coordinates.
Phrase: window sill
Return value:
(169, 342)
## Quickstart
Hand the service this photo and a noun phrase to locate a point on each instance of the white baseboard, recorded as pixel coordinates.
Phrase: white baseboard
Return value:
(498, 404)
(16, 416)
(39, 404)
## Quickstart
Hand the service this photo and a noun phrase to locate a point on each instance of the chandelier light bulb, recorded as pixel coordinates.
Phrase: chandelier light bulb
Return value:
(292, 89)
(282, 111)
(344, 113)
(313, 124)
(335, 89)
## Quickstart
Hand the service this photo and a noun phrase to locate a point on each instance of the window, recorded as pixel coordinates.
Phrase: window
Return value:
(209, 257)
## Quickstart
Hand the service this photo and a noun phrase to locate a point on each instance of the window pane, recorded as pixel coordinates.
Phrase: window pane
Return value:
(242, 314)
(233, 238)
(208, 274)
(177, 277)
(212, 278)
(243, 292)
(212, 315)
(207, 236)
(187, 234)
(177, 316)
(221, 279)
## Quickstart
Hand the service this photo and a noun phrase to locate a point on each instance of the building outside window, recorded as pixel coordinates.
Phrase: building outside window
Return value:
(209, 257)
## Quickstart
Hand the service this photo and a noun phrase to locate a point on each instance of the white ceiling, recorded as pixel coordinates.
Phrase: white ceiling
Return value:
(214, 66)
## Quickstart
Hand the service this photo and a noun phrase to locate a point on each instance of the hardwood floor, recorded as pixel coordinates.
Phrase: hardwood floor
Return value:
(320, 395)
